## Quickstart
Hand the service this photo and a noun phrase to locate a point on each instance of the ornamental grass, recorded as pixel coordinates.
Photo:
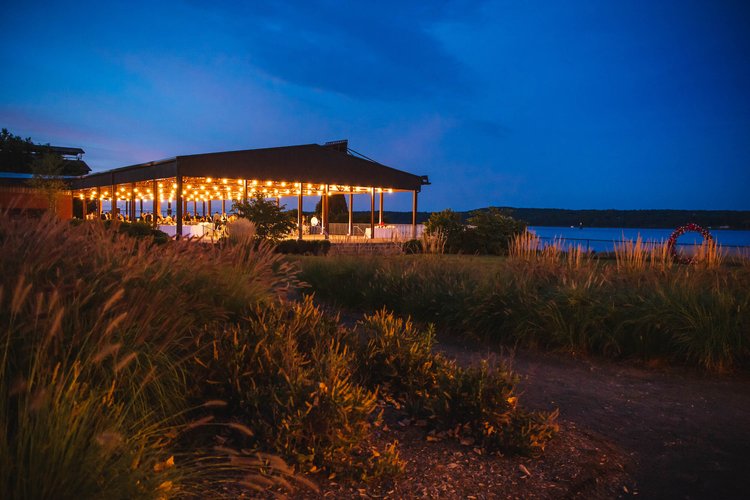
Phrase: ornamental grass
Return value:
(642, 306)
(95, 330)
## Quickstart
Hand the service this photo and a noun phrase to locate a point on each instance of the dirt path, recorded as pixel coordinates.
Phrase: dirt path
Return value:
(688, 433)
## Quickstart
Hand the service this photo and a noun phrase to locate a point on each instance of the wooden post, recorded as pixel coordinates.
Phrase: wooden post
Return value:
(113, 198)
(414, 215)
(380, 217)
(244, 195)
(99, 203)
(223, 206)
(179, 203)
(156, 208)
(372, 213)
(209, 207)
(299, 213)
(132, 202)
(324, 212)
(84, 205)
(350, 230)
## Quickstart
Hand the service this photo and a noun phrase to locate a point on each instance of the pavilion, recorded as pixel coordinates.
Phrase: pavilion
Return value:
(298, 171)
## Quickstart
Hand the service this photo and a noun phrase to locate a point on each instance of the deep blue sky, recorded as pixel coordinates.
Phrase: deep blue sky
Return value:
(575, 104)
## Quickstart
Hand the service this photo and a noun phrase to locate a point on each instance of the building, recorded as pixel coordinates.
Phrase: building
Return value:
(288, 171)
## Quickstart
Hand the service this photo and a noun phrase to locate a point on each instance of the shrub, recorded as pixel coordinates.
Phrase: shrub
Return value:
(287, 376)
(447, 226)
(138, 230)
(270, 221)
(304, 247)
(478, 404)
(490, 232)
(412, 247)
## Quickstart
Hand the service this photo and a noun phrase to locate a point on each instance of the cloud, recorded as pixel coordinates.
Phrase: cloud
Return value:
(383, 50)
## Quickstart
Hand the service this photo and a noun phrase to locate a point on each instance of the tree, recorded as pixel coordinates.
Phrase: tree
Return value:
(47, 178)
(338, 210)
(491, 231)
(447, 226)
(270, 221)
(16, 154)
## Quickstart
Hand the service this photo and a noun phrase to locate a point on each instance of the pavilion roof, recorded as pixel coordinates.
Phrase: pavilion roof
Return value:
(312, 163)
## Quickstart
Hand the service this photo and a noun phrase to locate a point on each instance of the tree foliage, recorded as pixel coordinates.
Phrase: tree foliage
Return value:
(47, 170)
(491, 231)
(271, 222)
(16, 154)
(485, 232)
(447, 226)
(338, 210)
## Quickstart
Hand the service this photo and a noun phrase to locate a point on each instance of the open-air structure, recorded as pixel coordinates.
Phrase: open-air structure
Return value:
(289, 171)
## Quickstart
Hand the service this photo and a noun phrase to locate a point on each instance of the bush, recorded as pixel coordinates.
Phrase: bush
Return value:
(287, 376)
(412, 247)
(447, 226)
(490, 232)
(478, 404)
(271, 223)
(139, 230)
(304, 247)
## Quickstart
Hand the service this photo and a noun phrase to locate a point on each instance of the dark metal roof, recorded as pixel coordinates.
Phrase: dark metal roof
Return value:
(306, 163)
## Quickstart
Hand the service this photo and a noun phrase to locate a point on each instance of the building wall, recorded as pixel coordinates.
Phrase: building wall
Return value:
(21, 198)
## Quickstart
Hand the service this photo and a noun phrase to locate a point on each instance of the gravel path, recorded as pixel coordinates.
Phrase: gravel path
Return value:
(688, 433)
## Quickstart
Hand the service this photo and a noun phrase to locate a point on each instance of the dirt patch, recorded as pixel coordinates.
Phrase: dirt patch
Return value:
(688, 433)
(577, 464)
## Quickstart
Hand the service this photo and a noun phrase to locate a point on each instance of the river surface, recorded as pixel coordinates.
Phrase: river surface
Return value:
(603, 239)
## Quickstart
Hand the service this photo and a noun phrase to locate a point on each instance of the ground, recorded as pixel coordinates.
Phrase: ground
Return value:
(626, 430)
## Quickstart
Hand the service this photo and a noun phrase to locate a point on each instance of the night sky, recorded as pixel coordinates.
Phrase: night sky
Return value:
(575, 104)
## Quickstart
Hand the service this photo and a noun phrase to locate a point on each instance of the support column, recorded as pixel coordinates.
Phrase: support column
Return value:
(299, 213)
(156, 205)
(113, 198)
(324, 212)
(99, 203)
(209, 208)
(414, 215)
(380, 216)
(372, 213)
(223, 206)
(350, 230)
(204, 208)
(132, 202)
(179, 202)
(244, 191)
(85, 201)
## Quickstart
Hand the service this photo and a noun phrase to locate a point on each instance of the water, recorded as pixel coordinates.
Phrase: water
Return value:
(602, 239)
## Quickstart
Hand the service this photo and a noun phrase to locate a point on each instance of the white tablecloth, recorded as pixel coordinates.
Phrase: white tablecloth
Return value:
(193, 230)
